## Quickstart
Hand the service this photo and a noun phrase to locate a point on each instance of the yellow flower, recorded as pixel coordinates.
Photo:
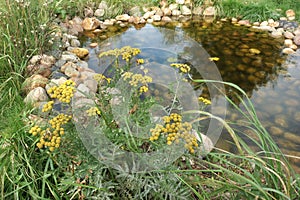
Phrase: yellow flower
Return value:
(183, 67)
(214, 59)
(93, 111)
(204, 100)
(140, 61)
(48, 106)
(143, 89)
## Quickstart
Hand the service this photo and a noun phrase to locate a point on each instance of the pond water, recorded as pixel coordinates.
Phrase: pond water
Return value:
(270, 79)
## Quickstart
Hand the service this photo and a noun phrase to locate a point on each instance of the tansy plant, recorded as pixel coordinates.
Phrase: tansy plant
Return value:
(50, 134)
(171, 130)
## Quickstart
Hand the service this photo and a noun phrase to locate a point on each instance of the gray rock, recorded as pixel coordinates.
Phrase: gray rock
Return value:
(57, 75)
(75, 43)
(198, 10)
(124, 17)
(82, 64)
(69, 57)
(156, 18)
(297, 39)
(167, 11)
(88, 12)
(36, 95)
(71, 72)
(82, 91)
(135, 11)
(99, 12)
(289, 35)
(185, 10)
(288, 51)
(209, 11)
(166, 19)
(91, 84)
(173, 6)
(176, 12)
(103, 5)
(180, 2)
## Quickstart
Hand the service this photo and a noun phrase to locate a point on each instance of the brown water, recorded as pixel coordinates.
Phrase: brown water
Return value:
(271, 80)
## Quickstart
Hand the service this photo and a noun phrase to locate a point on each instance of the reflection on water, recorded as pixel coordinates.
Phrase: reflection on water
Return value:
(249, 59)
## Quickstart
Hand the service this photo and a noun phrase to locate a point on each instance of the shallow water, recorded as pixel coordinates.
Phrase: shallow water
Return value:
(271, 80)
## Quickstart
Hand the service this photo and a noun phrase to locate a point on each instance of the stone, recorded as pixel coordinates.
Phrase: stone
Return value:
(291, 137)
(288, 42)
(55, 82)
(71, 72)
(68, 56)
(57, 75)
(99, 12)
(36, 95)
(294, 47)
(290, 14)
(166, 19)
(75, 43)
(206, 145)
(82, 91)
(185, 10)
(198, 10)
(149, 21)
(176, 12)
(103, 5)
(107, 22)
(88, 12)
(275, 131)
(297, 40)
(92, 84)
(159, 12)
(276, 34)
(289, 35)
(124, 17)
(81, 102)
(264, 23)
(94, 44)
(156, 18)
(47, 60)
(82, 65)
(67, 65)
(288, 51)
(135, 11)
(167, 11)
(90, 23)
(180, 2)
(80, 52)
(173, 6)
(254, 51)
(148, 14)
(244, 22)
(281, 121)
(209, 11)
(33, 82)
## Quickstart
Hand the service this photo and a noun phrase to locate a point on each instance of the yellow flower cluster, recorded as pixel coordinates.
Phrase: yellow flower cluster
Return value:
(126, 52)
(93, 111)
(100, 78)
(174, 130)
(140, 61)
(143, 89)
(204, 100)
(183, 67)
(48, 106)
(63, 92)
(51, 137)
(135, 79)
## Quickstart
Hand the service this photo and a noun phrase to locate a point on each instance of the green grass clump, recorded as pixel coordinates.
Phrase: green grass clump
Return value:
(257, 10)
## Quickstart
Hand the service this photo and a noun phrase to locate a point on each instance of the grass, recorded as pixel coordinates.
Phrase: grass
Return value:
(71, 173)
(257, 10)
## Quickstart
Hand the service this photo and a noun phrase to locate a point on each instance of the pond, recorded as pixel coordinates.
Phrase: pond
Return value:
(243, 56)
